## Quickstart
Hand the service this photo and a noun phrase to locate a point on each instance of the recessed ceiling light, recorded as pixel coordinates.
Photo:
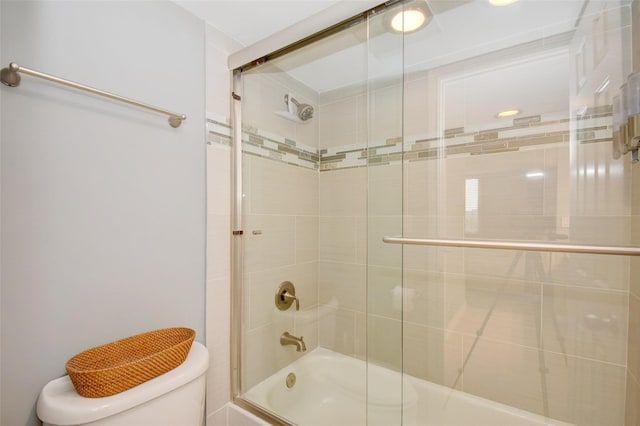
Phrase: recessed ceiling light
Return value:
(508, 113)
(408, 20)
(502, 2)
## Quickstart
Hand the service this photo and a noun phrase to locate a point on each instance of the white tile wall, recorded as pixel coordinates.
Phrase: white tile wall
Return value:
(343, 193)
(632, 414)
(586, 323)
(433, 354)
(263, 95)
(345, 282)
(218, 298)
(632, 409)
(306, 239)
(337, 331)
(338, 123)
(501, 309)
(338, 239)
(571, 389)
(282, 228)
(633, 355)
(273, 247)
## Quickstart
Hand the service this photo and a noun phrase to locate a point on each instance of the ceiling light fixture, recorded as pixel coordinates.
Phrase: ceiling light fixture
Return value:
(508, 113)
(408, 20)
(411, 16)
(502, 2)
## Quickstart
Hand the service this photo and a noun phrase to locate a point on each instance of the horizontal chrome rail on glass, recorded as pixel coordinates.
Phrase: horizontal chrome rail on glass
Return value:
(525, 246)
(10, 77)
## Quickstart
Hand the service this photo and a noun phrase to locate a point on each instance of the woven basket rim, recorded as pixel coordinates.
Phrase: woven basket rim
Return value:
(189, 336)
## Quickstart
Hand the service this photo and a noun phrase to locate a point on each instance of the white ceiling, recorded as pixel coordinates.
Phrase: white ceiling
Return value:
(472, 29)
(511, 57)
(249, 21)
(460, 30)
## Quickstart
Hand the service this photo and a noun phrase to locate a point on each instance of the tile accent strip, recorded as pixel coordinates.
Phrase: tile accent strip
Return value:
(268, 145)
(593, 126)
(218, 130)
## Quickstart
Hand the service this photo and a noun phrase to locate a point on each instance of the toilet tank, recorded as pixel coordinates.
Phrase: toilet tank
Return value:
(173, 398)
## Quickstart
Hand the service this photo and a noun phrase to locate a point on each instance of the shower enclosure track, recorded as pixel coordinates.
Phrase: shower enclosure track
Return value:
(524, 246)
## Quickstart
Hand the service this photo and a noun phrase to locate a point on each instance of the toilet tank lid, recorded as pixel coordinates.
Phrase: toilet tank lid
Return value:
(60, 404)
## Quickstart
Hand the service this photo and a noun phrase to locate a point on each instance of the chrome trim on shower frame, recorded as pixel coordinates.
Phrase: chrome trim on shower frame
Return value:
(514, 245)
(334, 29)
(236, 238)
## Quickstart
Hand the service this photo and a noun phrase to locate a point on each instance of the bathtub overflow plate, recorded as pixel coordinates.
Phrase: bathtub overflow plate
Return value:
(291, 380)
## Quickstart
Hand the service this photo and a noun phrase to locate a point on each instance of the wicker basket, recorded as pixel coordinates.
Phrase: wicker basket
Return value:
(123, 364)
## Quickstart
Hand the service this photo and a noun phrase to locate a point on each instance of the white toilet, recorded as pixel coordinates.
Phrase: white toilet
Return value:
(175, 398)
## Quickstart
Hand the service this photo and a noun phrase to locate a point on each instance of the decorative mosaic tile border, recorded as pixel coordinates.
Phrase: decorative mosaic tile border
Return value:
(264, 144)
(218, 130)
(592, 126)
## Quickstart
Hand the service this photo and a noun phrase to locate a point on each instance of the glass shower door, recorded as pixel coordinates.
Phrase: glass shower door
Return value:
(318, 196)
(319, 193)
(280, 254)
(383, 157)
(508, 137)
(492, 122)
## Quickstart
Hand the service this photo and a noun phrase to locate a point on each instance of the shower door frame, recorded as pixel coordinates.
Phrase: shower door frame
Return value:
(236, 261)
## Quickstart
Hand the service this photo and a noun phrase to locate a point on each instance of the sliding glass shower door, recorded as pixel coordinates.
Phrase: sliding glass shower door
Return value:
(373, 159)
(383, 168)
(314, 212)
(508, 138)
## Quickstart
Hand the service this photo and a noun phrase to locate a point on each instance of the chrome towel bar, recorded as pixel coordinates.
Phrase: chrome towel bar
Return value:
(525, 246)
(10, 77)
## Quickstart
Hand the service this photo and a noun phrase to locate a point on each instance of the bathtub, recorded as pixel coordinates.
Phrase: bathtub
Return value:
(330, 390)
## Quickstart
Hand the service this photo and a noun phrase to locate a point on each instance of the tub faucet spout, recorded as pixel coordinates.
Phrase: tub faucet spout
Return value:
(288, 339)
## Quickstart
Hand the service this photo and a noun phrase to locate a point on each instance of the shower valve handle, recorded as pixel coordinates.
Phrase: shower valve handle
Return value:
(288, 296)
(285, 295)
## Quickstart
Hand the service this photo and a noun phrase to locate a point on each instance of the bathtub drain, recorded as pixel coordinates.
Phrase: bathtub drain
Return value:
(291, 380)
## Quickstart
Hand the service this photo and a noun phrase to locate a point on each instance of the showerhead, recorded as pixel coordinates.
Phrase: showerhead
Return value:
(303, 111)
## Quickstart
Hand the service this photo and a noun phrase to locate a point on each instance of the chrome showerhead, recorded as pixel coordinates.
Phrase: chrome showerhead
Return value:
(303, 111)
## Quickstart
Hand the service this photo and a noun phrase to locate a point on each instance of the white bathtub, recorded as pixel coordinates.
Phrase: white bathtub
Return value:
(330, 391)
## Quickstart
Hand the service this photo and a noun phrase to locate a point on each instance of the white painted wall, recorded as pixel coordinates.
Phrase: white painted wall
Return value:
(102, 204)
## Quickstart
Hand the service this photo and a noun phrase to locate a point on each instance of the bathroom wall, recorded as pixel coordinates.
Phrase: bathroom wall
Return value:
(103, 204)
(0, 245)
(359, 275)
(218, 79)
(342, 249)
(632, 414)
(280, 206)
(542, 332)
